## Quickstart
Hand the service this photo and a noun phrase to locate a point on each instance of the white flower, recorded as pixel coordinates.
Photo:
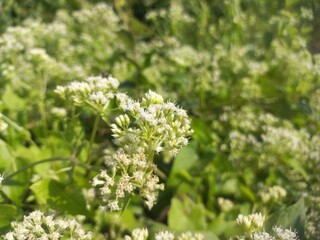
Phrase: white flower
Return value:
(94, 91)
(190, 236)
(254, 220)
(146, 127)
(113, 205)
(225, 204)
(164, 235)
(38, 226)
(140, 234)
(3, 125)
(274, 193)
(263, 236)
(1, 178)
(59, 112)
(285, 234)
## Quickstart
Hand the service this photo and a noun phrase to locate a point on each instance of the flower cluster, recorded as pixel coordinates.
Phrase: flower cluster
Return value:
(285, 234)
(279, 234)
(162, 125)
(253, 224)
(95, 92)
(147, 127)
(142, 234)
(273, 194)
(252, 221)
(225, 204)
(39, 226)
(264, 140)
(138, 234)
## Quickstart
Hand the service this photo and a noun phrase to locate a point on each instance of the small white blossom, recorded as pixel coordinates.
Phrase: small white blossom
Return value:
(263, 236)
(1, 178)
(113, 205)
(225, 204)
(138, 234)
(59, 112)
(252, 221)
(3, 125)
(190, 236)
(285, 234)
(94, 91)
(273, 194)
(164, 235)
(37, 226)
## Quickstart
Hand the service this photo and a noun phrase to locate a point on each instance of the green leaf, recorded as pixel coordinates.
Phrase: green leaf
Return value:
(126, 38)
(139, 28)
(41, 190)
(7, 215)
(201, 130)
(128, 220)
(12, 101)
(290, 217)
(186, 158)
(185, 215)
(16, 187)
(223, 227)
(297, 166)
(8, 211)
(7, 160)
(66, 198)
(248, 193)
(184, 161)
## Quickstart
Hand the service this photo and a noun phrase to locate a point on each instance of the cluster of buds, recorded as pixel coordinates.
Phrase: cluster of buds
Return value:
(162, 125)
(38, 226)
(147, 127)
(251, 222)
(142, 234)
(279, 234)
(273, 194)
(94, 91)
(225, 204)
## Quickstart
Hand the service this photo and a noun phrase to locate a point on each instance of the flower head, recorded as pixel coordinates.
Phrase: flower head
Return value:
(36, 225)
(251, 222)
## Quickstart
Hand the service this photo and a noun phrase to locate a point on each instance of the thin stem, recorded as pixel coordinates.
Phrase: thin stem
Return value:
(4, 196)
(18, 128)
(160, 174)
(128, 200)
(53, 159)
(93, 136)
(42, 104)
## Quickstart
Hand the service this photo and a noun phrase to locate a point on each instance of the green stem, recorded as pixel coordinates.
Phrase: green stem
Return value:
(128, 200)
(161, 174)
(18, 128)
(4, 196)
(93, 136)
(53, 159)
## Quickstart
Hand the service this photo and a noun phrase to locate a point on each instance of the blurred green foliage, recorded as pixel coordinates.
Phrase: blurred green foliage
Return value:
(247, 71)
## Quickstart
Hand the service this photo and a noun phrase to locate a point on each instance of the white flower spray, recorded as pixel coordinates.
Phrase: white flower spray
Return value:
(36, 225)
(146, 127)
(142, 234)
(253, 225)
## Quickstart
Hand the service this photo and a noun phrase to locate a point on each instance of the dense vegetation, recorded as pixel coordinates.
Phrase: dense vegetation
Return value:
(189, 119)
